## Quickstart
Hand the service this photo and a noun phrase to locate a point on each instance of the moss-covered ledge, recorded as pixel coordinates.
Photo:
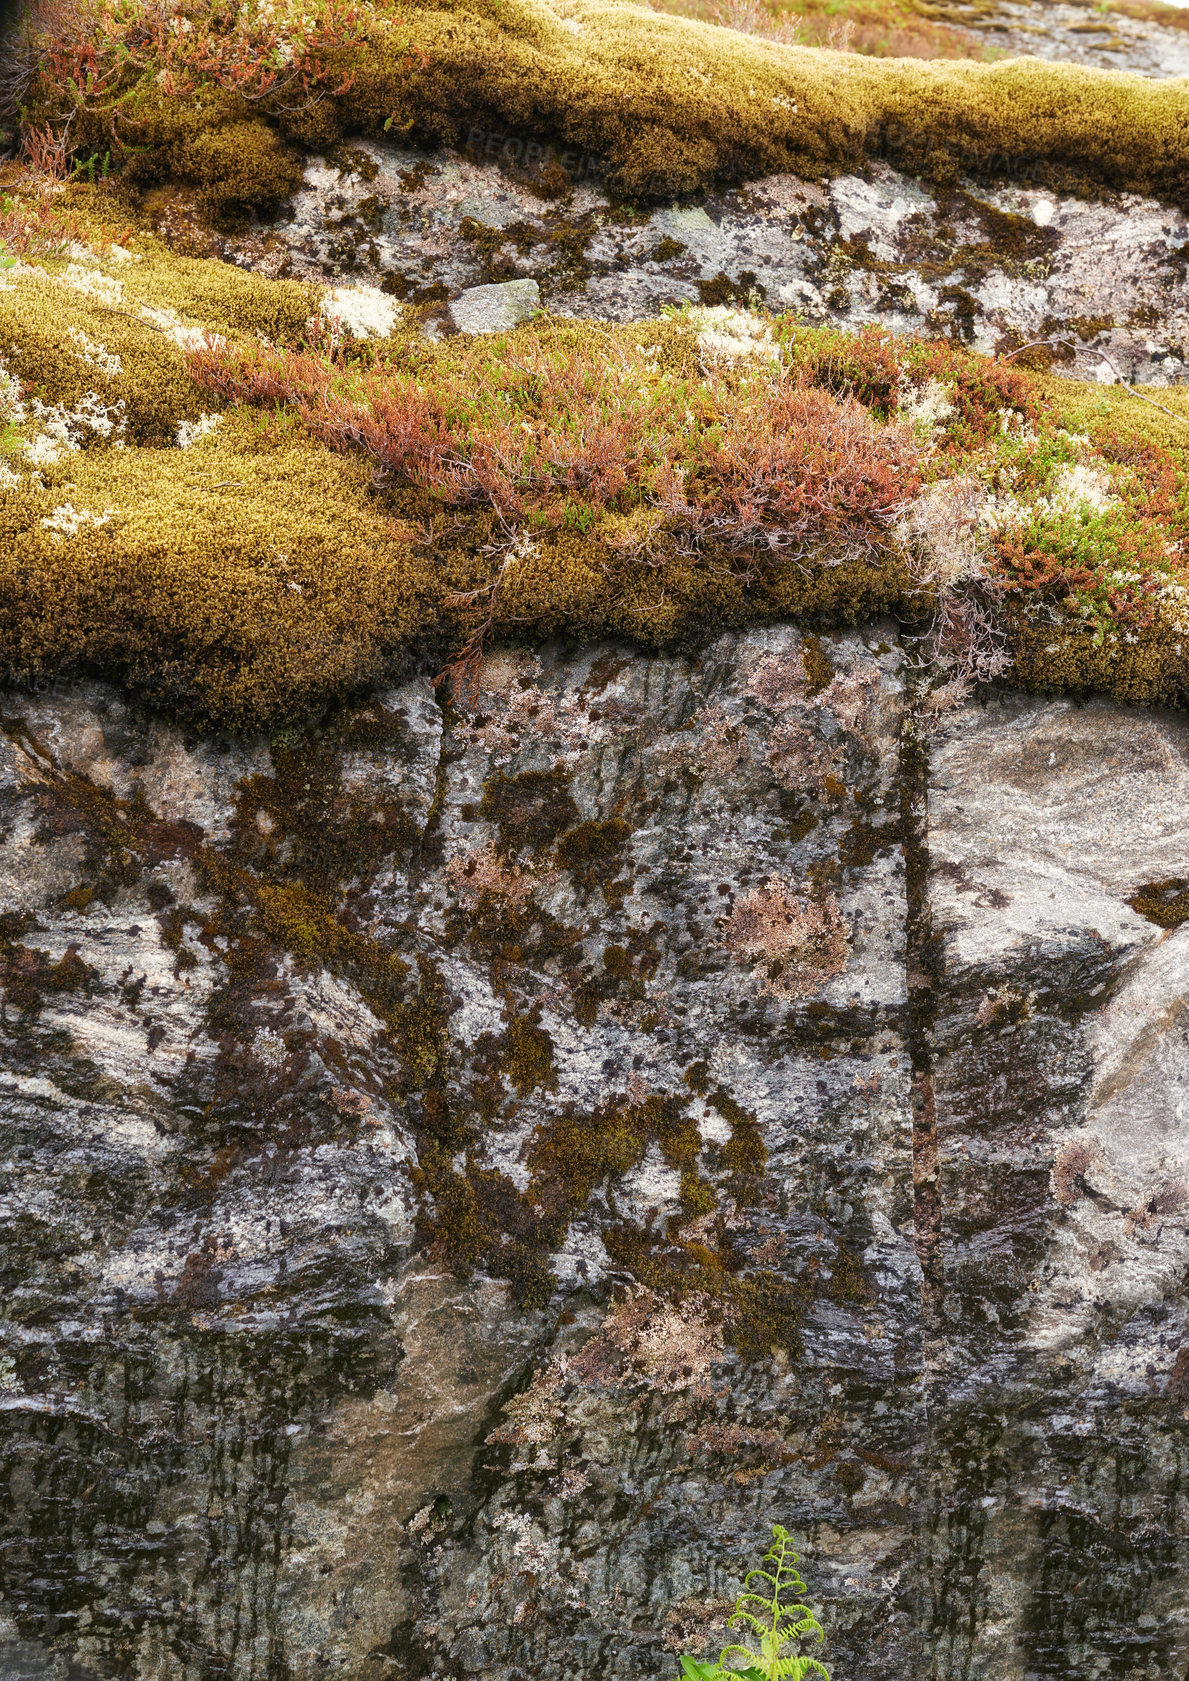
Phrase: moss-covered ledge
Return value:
(216, 493)
(666, 105)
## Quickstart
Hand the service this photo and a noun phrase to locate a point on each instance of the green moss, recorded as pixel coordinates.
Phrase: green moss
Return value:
(744, 1156)
(848, 1280)
(723, 290)
(239, 167)
(231, 580)
(58, 343)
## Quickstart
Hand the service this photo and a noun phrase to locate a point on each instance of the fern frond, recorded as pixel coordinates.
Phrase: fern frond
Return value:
(757, 1598)
(802, 1619)
(778, 1624)
(746, 1617)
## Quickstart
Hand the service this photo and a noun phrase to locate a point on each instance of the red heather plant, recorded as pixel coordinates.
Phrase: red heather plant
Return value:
(1112, 571)
(980, 390)
(32, 224)
(101, 57)
(552, 437)
(873, 366)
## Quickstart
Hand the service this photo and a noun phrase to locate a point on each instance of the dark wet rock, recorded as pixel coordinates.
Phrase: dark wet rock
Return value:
(330, 1348)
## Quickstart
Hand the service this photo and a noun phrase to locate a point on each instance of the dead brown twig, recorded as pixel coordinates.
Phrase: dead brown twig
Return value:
(1035, 344)
(462, 671)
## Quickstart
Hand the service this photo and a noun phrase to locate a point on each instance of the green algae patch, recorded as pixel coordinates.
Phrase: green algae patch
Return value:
(664, 105)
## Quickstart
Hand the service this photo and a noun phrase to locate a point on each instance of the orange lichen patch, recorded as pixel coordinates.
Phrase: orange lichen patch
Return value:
(645, 1337)
(799, 945)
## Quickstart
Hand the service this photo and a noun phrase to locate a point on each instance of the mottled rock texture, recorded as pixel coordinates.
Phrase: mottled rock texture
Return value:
(995, 266)
(468, 1169)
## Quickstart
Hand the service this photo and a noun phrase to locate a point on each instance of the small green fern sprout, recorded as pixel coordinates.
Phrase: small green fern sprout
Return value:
(776, 1623)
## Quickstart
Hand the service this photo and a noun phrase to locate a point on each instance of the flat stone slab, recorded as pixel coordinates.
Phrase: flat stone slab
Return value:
(493, 309)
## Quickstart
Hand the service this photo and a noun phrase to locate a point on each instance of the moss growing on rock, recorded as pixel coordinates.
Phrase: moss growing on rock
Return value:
(340, 506)
(668, 105)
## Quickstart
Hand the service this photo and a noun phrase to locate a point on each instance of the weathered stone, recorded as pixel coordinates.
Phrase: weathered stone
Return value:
(271, 1407)
(1061, 1082)
(994, 265)
(493, 309)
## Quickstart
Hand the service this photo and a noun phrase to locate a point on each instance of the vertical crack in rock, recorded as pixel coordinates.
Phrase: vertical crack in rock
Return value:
(922, 962)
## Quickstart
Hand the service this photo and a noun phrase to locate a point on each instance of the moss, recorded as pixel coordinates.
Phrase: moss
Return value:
(763, 1310)
(233, 580)
(480, 1218)
(593, 852)
(27, 976)
(1166, 903)
(819, 673)
(529, 1060)
(299, 825)
(667, 250)
(239, 168)
(864, 841)
(848, 1280)
(669, 106)
(723, 290)
(529, 810)
(963, 308)
(697, 1077)
(744, 1156)
(849, 1476)
(264, 571)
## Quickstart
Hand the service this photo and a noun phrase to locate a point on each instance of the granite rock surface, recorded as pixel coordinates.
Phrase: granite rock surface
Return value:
(470, 1168)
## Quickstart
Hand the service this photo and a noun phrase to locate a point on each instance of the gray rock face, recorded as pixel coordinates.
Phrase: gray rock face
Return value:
(468, 1170)
(1073, 34)
(991, 265)
(493, 309)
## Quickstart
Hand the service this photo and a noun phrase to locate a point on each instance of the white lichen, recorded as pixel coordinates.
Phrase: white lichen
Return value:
(12, 409)
(68, 521)
(95, 355)
(363, 311)
(732, 335)
(91, 284)
(170, 323)
(928, 407)
(190, 431)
